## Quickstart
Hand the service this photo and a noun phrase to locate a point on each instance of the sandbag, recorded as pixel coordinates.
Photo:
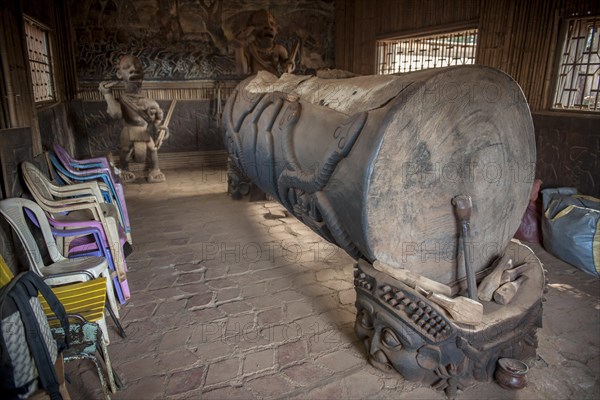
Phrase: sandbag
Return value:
(571, 228)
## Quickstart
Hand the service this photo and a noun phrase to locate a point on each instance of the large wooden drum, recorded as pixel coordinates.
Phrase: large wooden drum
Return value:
(372, 163)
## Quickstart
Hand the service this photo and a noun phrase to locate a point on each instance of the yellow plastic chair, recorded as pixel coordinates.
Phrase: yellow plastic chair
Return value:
(87, 299)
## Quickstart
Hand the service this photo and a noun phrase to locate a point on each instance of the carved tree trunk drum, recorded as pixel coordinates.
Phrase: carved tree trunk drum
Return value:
(371, 163)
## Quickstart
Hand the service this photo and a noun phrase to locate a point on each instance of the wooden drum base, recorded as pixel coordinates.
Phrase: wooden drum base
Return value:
(406, 332)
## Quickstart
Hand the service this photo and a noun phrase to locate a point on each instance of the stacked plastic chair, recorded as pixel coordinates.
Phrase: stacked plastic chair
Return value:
(60, 270)
(77, 206)
(71, 170)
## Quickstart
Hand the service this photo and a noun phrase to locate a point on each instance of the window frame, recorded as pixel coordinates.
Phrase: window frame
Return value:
(49, 37)
(414, 33)
(558, 65)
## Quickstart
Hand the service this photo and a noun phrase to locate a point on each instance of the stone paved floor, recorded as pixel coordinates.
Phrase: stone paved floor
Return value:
(237, 300)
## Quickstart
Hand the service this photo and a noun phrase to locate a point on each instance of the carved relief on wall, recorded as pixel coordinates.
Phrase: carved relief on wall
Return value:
(186, 39)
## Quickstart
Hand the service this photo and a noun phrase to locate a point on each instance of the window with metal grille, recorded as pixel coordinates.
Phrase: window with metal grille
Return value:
(40, 61)
(423, 52)
(578, 83)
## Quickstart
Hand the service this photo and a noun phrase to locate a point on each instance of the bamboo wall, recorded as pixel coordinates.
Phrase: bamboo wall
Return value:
(359, 23)
(519, 37)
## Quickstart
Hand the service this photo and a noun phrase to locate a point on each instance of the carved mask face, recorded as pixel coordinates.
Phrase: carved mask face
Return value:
(130, 69)
(265, 28)
(391, 344)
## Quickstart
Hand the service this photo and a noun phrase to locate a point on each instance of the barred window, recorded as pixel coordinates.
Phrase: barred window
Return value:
(40, 61)
(578, 83)
(424, 52)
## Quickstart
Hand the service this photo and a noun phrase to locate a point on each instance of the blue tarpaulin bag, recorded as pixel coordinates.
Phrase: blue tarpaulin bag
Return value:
(571, 228)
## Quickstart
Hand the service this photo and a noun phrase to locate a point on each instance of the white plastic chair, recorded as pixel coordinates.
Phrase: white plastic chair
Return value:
(62, 270)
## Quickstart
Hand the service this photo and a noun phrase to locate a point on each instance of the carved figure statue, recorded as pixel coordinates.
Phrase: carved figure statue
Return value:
(256, 50)
(143, 119)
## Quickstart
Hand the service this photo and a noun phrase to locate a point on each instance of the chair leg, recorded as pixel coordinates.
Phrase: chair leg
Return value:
(113, 378)
(101, 376)
(110, 293)
(104, 328)
(116, 320)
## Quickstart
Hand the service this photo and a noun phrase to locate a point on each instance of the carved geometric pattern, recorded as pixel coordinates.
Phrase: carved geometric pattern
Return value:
(422, 315)
(429, 322)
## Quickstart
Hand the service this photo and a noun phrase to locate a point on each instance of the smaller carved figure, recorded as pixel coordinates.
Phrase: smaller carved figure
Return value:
(256, 50)
(144, 127)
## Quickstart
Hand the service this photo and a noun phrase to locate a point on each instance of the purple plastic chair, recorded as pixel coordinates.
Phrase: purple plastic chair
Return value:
(90, 241)
(87, 163)
(66, 166)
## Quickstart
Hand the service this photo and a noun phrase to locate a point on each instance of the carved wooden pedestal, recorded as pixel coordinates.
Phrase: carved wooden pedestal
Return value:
(406, 332)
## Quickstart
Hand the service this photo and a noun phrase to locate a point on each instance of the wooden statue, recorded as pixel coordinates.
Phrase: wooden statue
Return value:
(256, 50)
(144, 126)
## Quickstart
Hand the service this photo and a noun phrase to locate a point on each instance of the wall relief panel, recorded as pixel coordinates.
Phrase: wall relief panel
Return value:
(186, 39)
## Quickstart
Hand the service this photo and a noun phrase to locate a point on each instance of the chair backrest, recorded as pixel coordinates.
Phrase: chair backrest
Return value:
(60, 164)
(61, 169)
(62, 154)
(13, 211)
(38, 184)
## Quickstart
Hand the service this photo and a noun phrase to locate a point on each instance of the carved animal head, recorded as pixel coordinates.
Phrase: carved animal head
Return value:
(392, 345)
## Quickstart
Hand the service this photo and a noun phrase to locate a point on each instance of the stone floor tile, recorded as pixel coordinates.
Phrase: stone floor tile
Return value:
(281, 333)
(129, 349)
(249, 341)
(330, 391)
(222, 283)
(133, 313)
(178, 359)
(228, 294)
(163, 279)
(293, 352)
(295, 309)
(339, 285)
(306, 374)
(268, 386)
(184, 381)
(362, 385)
(269, 316)
(149, 387)
(235, 307)
(254, 362)
(189, 267)
(222, 371)
(200, 300)
(173, 340)
(170, 307)
(205, 314)
(347, 296)
(229, 393)
(208, 351)
(340, 360)
(138, 369)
